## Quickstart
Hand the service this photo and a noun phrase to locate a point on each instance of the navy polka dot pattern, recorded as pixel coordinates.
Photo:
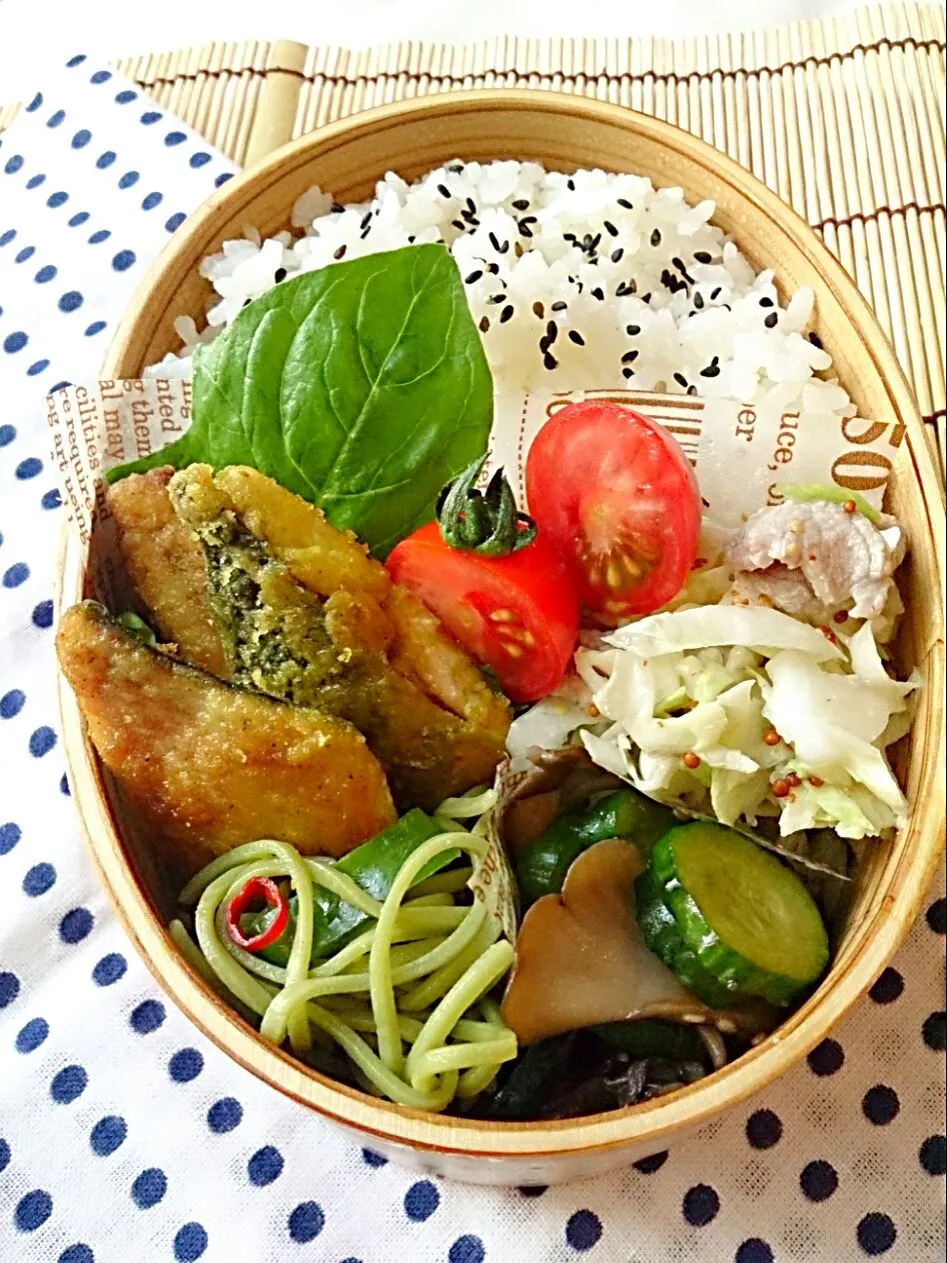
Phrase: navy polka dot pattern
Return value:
(185, 1065)
(39, 879)
(827, 1058)
(68, 1084)
(880, 1105)
(265, 1166)
(33, 1210)
(844, 1158)
(75, 925)
(701, 1205)
(876, 1233)
(149, 1188)
(78, 1253)
(190, 1242)
(306, 1221)
(9, 988)
(33, 1034)
(469, 1249)
(147, 1017)
(224, 1115)
(583, 1230)
(421, 1201)
(109, 969)
(754, 1250)
(763, 1129)
(818, 1180)
(107, 1135)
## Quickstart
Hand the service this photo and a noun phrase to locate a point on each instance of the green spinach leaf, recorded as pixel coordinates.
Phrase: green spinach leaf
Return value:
(362, 387)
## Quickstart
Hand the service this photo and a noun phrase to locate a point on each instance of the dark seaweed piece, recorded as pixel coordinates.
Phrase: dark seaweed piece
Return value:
(588, 1072)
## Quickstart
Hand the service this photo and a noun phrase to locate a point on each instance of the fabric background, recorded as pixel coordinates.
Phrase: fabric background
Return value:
(126, 1136)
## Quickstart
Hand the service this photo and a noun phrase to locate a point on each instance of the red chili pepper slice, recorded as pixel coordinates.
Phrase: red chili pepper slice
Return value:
(257, 889)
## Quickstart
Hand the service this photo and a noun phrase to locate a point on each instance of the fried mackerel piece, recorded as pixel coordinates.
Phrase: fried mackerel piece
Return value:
(165, 564)
(305, 615)
(210, 765)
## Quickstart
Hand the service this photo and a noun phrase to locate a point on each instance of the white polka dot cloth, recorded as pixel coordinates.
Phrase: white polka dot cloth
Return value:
(125, 1137)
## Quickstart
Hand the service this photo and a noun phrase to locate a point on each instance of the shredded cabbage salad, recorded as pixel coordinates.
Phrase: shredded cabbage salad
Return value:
(742, 711)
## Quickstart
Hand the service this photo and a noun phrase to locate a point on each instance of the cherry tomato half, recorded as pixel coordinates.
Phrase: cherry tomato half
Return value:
(618, 499)
(517, 614)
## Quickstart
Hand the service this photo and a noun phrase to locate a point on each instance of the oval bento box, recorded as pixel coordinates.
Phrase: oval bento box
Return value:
(563, 132)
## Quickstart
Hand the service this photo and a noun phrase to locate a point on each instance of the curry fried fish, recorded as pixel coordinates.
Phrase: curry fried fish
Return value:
(209, 765)
(302, 613)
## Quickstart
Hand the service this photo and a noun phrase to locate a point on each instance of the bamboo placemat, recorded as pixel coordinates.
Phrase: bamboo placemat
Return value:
(844, 118)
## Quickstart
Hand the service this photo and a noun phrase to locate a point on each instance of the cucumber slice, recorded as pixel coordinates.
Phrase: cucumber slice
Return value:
(661, 935)
(748, 919)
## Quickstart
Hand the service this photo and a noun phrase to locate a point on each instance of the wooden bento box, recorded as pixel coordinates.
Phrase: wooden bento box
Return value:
(563, 132)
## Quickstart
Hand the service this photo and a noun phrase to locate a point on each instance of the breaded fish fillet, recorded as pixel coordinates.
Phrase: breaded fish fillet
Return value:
(302, 613)
(165, 564)
(210, 765)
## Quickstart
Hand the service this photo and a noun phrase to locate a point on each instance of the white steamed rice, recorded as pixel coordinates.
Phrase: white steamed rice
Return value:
(581, 281)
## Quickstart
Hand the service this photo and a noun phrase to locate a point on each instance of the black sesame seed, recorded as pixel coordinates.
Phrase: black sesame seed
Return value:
(366, 220)
(456, 168)
(701, 256)
(771, 320)
(550, 361)
(623, 201)
(656, 237)
(627, 372)
(680, 379)
(692, 390)
(599, 294)
(524, 228)
(279, 275)
(616, 255)
(679, 264)
(610, 228)
(544, 344)
(364, 233)
(559, 306)
(340, 253)
(815, 340)
(766, 302)
(506, 313)
(568, 236)
(471, 204)
(570, 185)
(698, 301)
(629, 357)
(710, 371)
(459, 224)
(443, 190)
(484, 323)
(530, 219)
(336, 208)
(552, 330)
(715, 294)
(715, 360)
(521, 203)
(493, 240)
(503, 247)
(576, 337)
(246, 302)
(493, 268)
(632, 330)
(468, 215)
(539, 310)
(472, 277)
